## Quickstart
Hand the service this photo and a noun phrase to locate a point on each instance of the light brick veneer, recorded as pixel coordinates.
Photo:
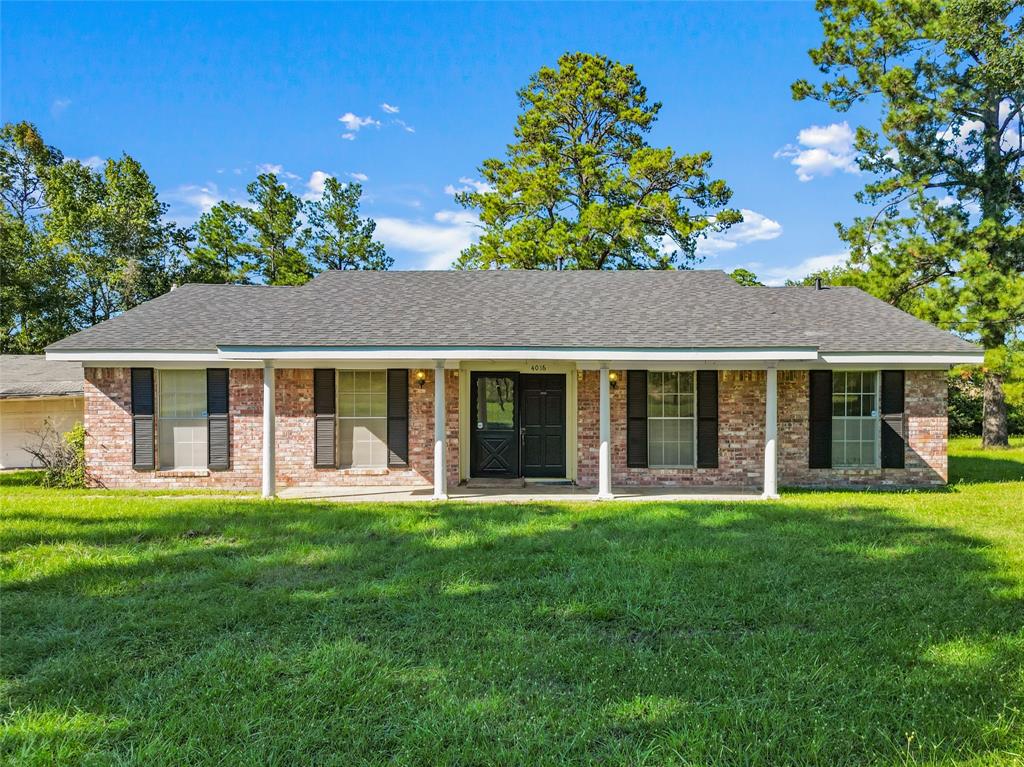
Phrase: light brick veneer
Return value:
(108, 444)
(740, 435)
(925, 421)
(741, 402)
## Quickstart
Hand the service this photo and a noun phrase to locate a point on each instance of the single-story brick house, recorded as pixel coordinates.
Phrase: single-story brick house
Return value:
(602, 379)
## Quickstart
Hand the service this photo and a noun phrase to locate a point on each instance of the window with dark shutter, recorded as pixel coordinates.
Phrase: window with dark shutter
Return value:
(218, 438)
(707, 419)
(398, 417)
(636, 419)
(143, 433)
(819, 449)
(324, 405)
(893, 435)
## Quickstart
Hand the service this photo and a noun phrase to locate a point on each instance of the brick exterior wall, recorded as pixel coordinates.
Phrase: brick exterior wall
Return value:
(741, 435)
(108, 445)
(741, 402)
(925, 421)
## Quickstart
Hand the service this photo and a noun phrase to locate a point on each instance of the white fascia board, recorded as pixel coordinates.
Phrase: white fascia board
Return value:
(116, 358)
(897, 359)
(598, 356)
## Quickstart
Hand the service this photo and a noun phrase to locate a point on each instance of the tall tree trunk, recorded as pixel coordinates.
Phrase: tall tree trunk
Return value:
(994, 423)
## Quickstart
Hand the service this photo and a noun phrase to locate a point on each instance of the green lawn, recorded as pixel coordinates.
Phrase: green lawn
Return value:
(826, 628)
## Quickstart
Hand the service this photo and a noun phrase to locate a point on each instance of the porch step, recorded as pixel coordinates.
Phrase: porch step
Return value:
(495, 482)
(547, 481)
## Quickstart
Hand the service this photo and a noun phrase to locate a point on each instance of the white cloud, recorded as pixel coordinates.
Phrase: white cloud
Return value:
(92, 161)
(469, 185)
(821, 150)
(389, 108)
(189, 201)
(59, 106)
(360, 177)
(269, 167)
(404, 126)
(315, 185)
(755, 227)
(777, 275)
(438, 243)
(354, 123)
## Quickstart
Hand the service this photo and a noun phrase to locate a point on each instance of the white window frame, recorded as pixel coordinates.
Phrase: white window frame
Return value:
(203, 465)
(650, 464)
(341, 419)
(876, 417)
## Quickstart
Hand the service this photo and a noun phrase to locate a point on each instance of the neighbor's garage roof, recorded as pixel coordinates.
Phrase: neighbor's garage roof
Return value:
(517, 309)
(30, 375)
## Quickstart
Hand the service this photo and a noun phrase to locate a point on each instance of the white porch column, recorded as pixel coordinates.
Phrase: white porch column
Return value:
(604, 465)
(268, 430)
(771, 429)
(440, 475)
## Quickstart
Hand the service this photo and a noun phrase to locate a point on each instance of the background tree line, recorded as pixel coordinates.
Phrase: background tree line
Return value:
(79, 245)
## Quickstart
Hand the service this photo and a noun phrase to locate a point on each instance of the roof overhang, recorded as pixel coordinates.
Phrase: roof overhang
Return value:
(797, 357)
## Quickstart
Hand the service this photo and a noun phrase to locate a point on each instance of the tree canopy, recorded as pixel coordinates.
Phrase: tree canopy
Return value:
(946, 237)
(79, 245)
(581, 186)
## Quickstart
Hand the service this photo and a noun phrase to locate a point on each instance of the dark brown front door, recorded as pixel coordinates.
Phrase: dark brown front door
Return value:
(542, 422)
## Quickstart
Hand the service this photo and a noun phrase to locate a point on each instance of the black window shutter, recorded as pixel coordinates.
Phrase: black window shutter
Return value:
(324, 408)
(819, 451)
(143, 433)
(398, 417)
(218, 438)
(636, 419)
(893, 439)
(707, 419)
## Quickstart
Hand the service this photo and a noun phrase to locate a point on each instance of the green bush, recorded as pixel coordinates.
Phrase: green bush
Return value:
(966, 401)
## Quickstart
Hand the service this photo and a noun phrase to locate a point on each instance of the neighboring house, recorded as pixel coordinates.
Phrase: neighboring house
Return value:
(671, 378)
(34, 393)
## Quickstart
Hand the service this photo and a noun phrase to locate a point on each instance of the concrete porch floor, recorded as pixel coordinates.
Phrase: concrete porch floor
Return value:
(529, 494)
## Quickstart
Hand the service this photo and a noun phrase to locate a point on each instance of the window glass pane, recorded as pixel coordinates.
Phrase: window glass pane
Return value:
(181, 419)
(686, 405)
(363, 442)
(495, 402)
(686, 442)
(671, 406)
(362, 418)
(654, 404)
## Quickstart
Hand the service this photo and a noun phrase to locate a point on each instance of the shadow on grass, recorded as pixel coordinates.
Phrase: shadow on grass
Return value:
(651, 633)
(972, 469)
(20, 478)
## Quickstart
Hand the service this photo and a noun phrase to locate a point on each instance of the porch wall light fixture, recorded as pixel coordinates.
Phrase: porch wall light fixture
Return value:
(421, 378)
(613, 378)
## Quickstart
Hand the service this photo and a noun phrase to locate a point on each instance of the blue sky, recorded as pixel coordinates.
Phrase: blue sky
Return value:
(205, 95)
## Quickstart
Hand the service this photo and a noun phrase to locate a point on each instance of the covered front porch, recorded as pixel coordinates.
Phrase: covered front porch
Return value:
(557, 424)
